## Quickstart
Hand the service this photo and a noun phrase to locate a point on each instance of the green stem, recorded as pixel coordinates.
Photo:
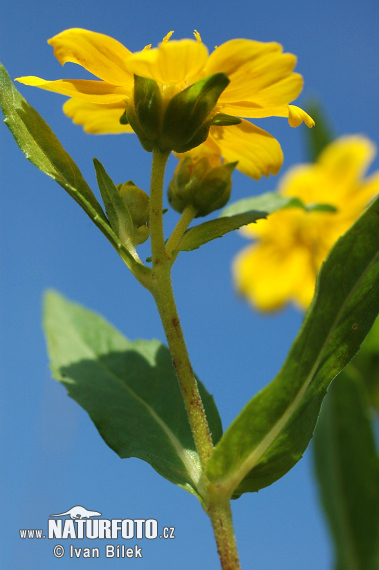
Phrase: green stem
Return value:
(158, 167)
(220, 514)
(215, 503)
(161, 288)
(185, 219)
(164, 299)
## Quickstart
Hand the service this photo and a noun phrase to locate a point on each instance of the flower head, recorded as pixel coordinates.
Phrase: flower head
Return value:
(261, 83)
(292, 244)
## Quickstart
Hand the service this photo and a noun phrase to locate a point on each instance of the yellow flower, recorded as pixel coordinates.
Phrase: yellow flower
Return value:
(261, 84)
(292, 244)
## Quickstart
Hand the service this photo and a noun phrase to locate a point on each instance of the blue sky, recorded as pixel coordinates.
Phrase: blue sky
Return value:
(52, 455)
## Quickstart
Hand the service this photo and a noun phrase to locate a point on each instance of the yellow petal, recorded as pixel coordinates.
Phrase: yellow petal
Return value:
(368, 190)
(251, 110)
(96, 119)
(271, 83)
(269, 278)
(256, 150)
(347, 158)
(259, 73)
(101, 55)
(232, 55)
(280, 226)
(280, 92)
(296, 116)
(308, 182)
(171, 62)
(92, 91)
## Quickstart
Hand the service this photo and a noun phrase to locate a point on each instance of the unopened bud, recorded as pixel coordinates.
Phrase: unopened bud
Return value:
(137, 202)
(203, 183)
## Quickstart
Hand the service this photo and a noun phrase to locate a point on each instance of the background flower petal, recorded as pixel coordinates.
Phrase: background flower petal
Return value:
(291, 243)
(256, 151)
(101, 55)
(96, 119)
(347, 158)
(171, 62)
(269, 278)
(309, 183)
(92, 91)
(367, 192)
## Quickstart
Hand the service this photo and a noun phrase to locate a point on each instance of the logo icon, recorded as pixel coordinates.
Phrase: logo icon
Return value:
(79, 512)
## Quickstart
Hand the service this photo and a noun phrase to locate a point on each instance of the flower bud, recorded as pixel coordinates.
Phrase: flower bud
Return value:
(204, 183)
(137, 202)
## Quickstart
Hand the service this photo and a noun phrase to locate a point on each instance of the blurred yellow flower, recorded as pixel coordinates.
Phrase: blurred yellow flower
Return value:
(262, 84)
(292, 244)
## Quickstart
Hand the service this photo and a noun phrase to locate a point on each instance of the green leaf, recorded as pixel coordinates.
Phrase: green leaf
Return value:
(115, 207)
(129, 389)
(347, 467)
(40, 145)
(240, 214)
(270, 202)
(366, 365)
(198, 235)
(272, 432)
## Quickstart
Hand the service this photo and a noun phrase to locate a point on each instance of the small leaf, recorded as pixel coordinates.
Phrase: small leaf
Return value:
(115, 207)
(270, 202)
(347, 467)
(272, 432)
(240, 214)
(198, 235)
(129, 389)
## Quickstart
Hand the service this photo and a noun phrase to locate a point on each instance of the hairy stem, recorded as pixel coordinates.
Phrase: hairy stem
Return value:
(216, 506)
(220, 514)
(161, 288)
(185, 219)
(158, 167)
(164, 299)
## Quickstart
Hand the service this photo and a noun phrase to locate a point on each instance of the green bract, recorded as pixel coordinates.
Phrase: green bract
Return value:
(184, 123)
